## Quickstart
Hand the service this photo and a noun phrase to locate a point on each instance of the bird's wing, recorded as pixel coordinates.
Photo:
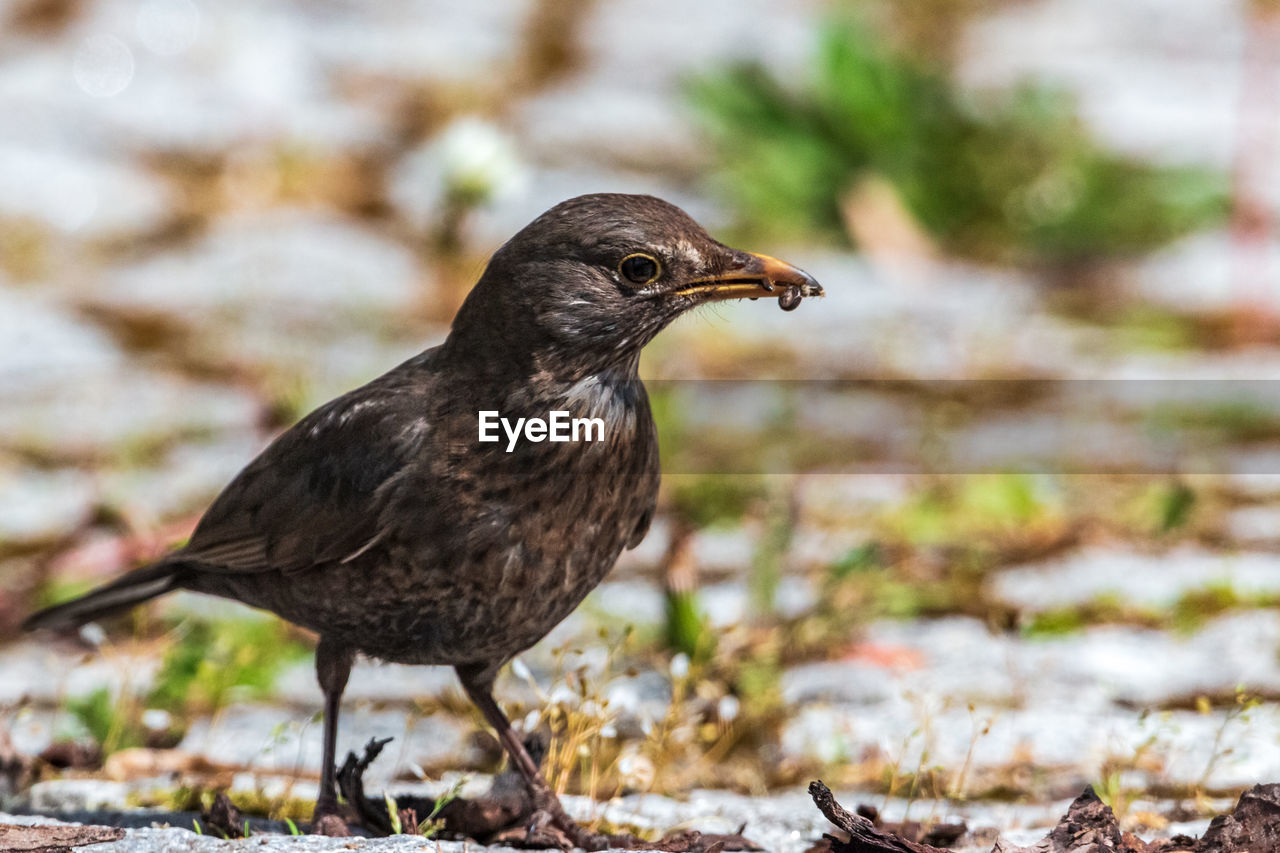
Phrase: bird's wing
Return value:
(648, 483)
(641, 528)
(316, 494)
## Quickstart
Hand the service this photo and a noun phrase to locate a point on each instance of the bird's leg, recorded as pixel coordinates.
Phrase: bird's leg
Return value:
(479, 686)
(333, 668)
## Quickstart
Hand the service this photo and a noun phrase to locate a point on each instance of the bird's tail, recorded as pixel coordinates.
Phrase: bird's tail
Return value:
(134, 588)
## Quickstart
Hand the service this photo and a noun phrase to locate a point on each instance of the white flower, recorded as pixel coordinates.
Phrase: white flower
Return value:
(157, 720)
(520, 670)
(93, 634)
(478, 161)
(636, 770)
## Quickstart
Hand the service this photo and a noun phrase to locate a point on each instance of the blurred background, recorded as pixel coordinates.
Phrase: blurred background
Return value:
(896, 570)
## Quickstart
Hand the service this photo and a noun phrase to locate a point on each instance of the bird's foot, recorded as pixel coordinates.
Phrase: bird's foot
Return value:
(542, 830)
(684, 841)
(561, 831)
(553, 827)
(328, 819)
(331, 826)
(551, 824)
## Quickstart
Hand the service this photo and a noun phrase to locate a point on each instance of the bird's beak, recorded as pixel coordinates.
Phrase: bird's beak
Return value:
(752, 277)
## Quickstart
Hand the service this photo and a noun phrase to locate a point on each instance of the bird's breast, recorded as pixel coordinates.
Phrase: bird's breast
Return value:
(511, 536)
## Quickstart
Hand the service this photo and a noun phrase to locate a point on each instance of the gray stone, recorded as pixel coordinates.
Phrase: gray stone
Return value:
(842, 498)
(72, 192)
(586, 119)
(1253, 473)
(371, 681)
(185, 841)
(209, 608)
(1149, 78)
(38, 506)
(1134, 578)
(1254, 525)
(352, 40)
(46, 348)
(637, 602)
(290, 270)
(273, 740)
(649, 554)
(246, 76)
(894, 427)
(816, 548)
(1056, 438)
(134, 408)
(312, 366)
(1064, 743)
(785, 822)
(592, 114)
(730, 603)
(1198, 274)
(717, 553)
(948, 321)
(724, 550)
(74, 795)
(1063, 704)
(186, 478)
(48, 676)
(1140, 667)
(256, 79)
(959, 659)
(948, 659)
(66, 389)
(1213, 372)
(777, 33)
(638, 702)
(843, 682)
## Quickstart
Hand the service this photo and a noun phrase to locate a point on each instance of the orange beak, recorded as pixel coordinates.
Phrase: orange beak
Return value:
(759, 275)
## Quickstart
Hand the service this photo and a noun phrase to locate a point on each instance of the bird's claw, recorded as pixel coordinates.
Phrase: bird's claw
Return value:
(330, 824)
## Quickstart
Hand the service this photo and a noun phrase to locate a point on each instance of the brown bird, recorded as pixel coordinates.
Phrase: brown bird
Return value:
(381, 521)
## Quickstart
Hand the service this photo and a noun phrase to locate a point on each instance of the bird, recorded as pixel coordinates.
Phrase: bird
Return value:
(383, 524)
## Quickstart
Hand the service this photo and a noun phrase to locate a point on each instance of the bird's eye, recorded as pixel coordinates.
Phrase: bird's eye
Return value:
(640, 269)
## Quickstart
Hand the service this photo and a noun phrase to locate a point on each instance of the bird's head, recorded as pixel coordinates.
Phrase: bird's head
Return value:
(588, 283)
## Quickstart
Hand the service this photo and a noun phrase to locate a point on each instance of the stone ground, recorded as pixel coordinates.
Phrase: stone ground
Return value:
(213, 216)
(786, 823)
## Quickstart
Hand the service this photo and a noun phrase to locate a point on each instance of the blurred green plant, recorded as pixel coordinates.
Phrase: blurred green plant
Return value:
(1229, 420)
(202, 670)
(1176, 504)
(111, 722)
(1010, 177)
(212, 660)
(1243, 704)
(687, 629)
(433, 823)
(1104, 608)
(696, 502)
(710, 500)
(859, 559)
(864, 585)
(1145, 326)
(977, 507)
(768, 563)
